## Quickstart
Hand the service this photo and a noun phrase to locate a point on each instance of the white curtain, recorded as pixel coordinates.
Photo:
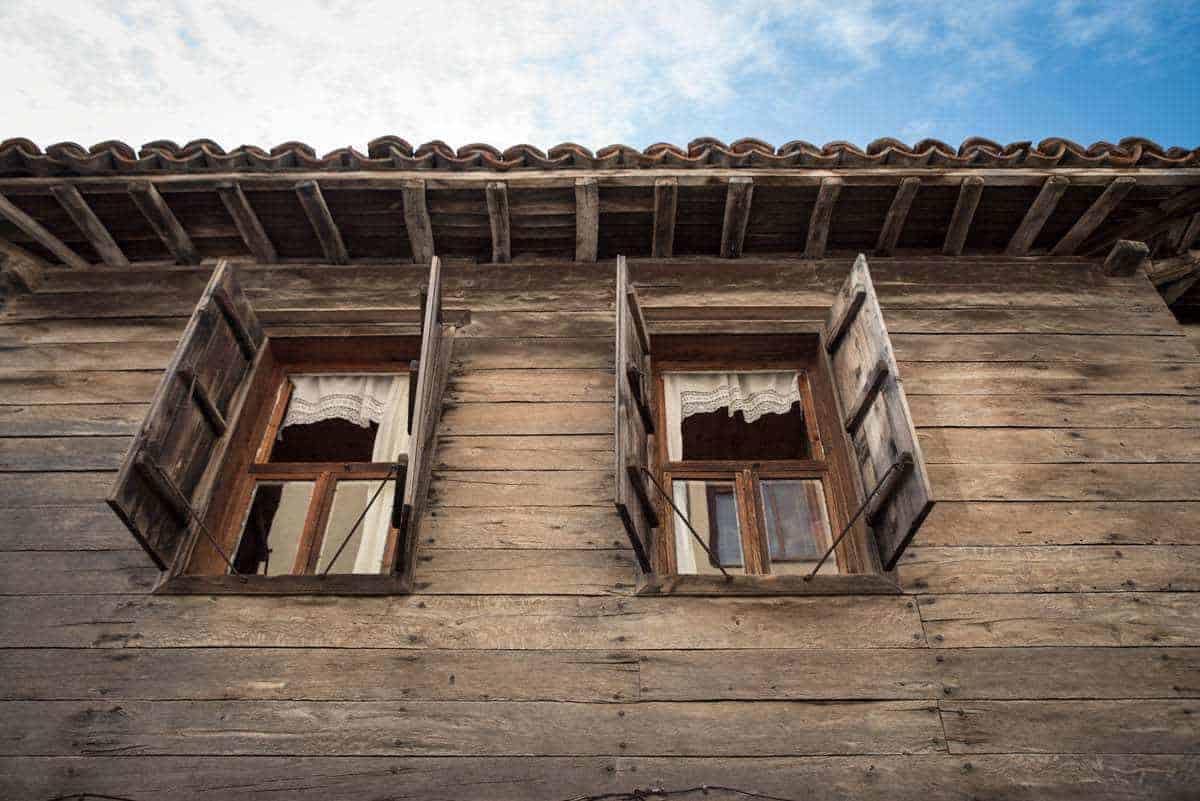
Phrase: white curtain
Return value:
(362, 400)
(753, 393)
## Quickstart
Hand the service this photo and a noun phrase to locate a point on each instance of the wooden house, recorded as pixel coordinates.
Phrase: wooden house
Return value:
(724, 472)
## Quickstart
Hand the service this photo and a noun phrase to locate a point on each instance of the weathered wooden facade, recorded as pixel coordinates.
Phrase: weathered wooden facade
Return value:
(1044, 638)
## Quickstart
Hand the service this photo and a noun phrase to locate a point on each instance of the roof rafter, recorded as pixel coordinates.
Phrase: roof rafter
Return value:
(247, 222)
(666, 204)
(1037, 215)
(969, 193)
(89, 224)
(323, 224)
(1096, 214)
(498, 219)
(156, 211)
(897, 215)
(38, 233)
(739, 194)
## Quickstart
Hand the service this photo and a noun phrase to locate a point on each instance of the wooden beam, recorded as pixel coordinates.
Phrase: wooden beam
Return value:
(969, 193)
(738, 195)
(587, 219)
(417, 222)
(821, 218)
(35, 231)
(666, 201)
(1176, 290)
(893, 224)
(1148, 223)
(1125, 257)
(497, 203)
(163, 221)
(323, 225)
(247, 222)
(21, 270)
(1037, 215)
(95, 231)
(1165, 271)
(1096, 214)
(1191, 235)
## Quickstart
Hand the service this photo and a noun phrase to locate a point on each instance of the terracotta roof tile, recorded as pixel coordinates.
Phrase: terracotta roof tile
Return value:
(21, 157)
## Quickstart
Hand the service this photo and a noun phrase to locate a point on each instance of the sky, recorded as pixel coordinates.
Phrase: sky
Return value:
(334, 73)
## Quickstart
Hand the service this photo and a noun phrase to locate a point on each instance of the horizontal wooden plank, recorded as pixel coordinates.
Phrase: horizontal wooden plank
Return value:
(523, 527)
(530, 386)
(1053, 568)
(1066, 482)
(54, 489)
(1144, 726)
(535, 324)
(86, 331)
(480, 488)
(1056, 445)
(788, 675)
(575, 571)
(1056, 411)
(593, 353)
(460, 622)
(48, 572)
(526, 418)
(137, 355)
(1062, 523)
(72, 419)
(77, 387)
(521, 453)
(90, 527)
(319, 674)
(930, 777)
(25, 454)
(1097, 322)
(1001, 673)
(1041, 348)
(1049, 378)
(450, 728)
(977, 621)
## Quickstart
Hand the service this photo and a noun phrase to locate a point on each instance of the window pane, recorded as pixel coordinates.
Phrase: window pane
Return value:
(711, 506)
(364, 549)
(797, 525)
(273, 528)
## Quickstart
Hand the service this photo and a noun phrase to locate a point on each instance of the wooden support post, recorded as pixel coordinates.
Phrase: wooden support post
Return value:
(821, 218)
(738, 197)
(1037, 215)
(587, 219)
(964, 212)
(35, 231)
(666, 200)
(893, 224)
(247, 222)
(417, 222)
(20, 269)
(163, 221)
(497, 203)
(82, 215)
(1096, 214)
(1125, 257)
(317, 211)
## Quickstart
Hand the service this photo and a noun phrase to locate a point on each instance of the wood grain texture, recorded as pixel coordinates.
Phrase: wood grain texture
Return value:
(738, 196)
(248, 224)
(587, 219)
(322, 222)
(1009, 523)
(158, 214)
(98, 236)
(38, 233)
(1056, 445)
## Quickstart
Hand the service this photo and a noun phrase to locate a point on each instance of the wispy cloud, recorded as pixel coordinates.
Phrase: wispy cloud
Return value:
(335, 72)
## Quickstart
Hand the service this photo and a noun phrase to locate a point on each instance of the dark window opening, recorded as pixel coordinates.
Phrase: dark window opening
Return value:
(333, 440)
(717, 436)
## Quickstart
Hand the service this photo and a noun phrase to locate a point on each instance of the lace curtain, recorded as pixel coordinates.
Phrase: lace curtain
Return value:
(362, 400)
(751, 393)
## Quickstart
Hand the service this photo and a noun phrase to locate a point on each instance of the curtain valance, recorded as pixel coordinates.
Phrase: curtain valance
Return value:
(360, 399)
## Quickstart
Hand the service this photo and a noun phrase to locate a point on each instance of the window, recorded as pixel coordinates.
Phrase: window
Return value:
(286, 464)
(750, 463)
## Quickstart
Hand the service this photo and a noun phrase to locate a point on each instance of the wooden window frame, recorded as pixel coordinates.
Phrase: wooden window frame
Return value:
(859, 568)
(248, 463)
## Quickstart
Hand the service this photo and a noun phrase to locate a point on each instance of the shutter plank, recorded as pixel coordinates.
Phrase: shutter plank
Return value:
(167, 476)
(633, 419)
(433, 373)
(876, 414)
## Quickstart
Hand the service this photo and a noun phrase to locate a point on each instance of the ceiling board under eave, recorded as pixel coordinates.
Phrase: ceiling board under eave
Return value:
(542, 222)
(371, 223)
(701, 212)
(460, 223)
(286, 224)
(858, 217)
(208, 224)
(128, 226)
(929, 217)
(47, 211)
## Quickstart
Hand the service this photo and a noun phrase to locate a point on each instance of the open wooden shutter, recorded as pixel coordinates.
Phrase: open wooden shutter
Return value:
(876, 416)
(433, 371)
(167, 477)
(634, 420)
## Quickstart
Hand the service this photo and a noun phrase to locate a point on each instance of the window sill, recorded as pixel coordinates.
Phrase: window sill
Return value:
(850, 584)
(286, 585)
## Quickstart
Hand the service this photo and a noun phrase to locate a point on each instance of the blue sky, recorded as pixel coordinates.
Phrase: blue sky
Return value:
(335, 73)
